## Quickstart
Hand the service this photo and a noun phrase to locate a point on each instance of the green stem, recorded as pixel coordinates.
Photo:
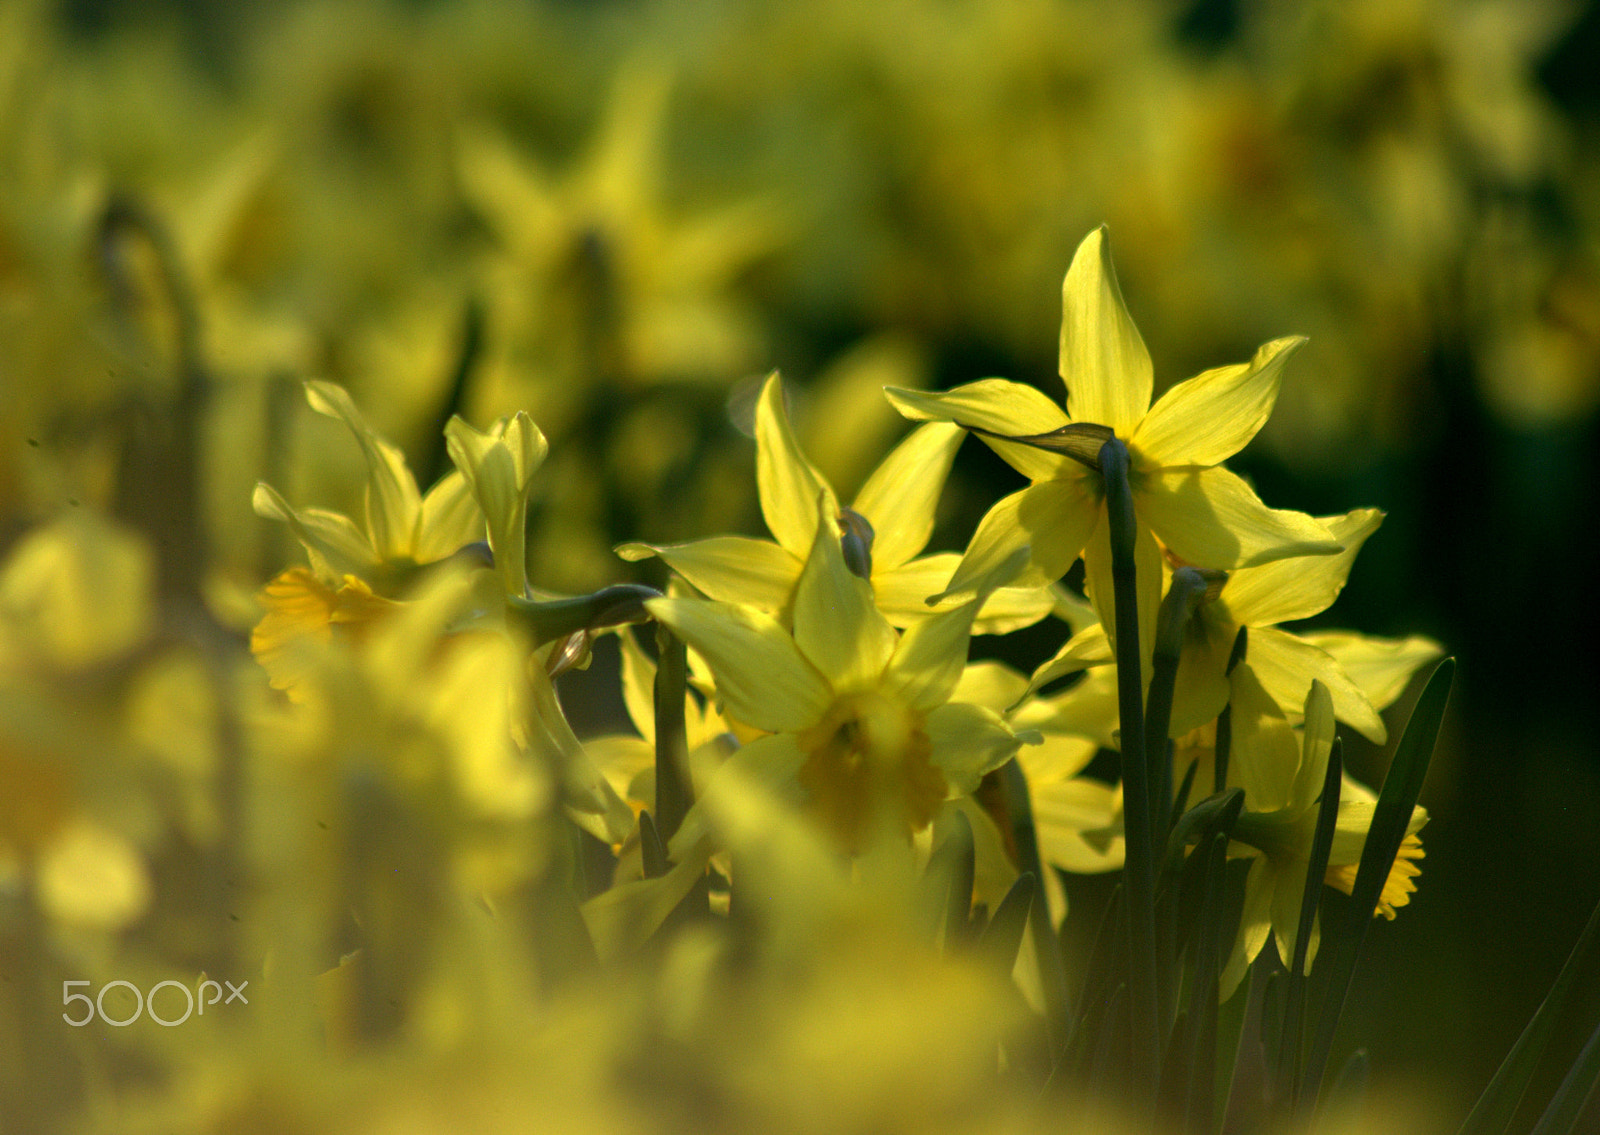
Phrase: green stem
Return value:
(1139, 869)
(674, 791)
(1188, 587)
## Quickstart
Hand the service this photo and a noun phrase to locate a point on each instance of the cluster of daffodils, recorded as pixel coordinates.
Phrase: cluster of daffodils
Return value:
(810, 703)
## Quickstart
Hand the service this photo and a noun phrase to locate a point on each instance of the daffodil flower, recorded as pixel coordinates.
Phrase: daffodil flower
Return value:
(354, 568)
(403, 529)
(897, 502)
(856, 715)
(1199, 511)
(1282, 777)
(1283, 662)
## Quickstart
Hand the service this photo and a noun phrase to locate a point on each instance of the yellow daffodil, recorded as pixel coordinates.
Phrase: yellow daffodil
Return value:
(897, 503)
(404, 529)
(858, 715)
(1285, 663)
(355, 569)
(1282, 776)
(1198, 511)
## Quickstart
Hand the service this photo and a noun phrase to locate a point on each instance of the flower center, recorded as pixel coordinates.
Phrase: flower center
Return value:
(867, 765)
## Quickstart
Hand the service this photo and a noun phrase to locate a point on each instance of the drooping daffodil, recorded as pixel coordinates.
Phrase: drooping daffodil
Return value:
(892, 518)
(1284, 663)
(858, 718)
(1200, 512)
(1282, 776)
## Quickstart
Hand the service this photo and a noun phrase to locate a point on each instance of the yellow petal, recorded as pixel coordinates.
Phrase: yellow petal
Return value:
(1148, 572)
(761, 675)
(1211, 518)
(1255, 924)
(333, 542)
(1316, 743)
(1266, 753)
(1089, 647)
(1298, 587)
(1380, 667)
(990, 683)
(734, 569)
(638, 685)
(449, 520)
(1061, 757)
(498, 466)
(1054, 518)
(900, 497)
(1012, 608)
(968, 741)
(1103, 359)
(1202, 687)
(1207, 419)
(997, 406)
(1286, 666)
(930, 657)
(393, 502)
(837, 626)
(1287, 899)
(787, 482)
(1063, 810)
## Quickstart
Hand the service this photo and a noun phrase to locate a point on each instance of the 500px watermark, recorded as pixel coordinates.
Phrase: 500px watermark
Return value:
(194, 1002)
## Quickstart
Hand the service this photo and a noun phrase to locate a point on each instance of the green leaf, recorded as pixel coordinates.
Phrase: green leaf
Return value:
(1002, 938)
(1561, 1117)
(1494, 1110)
(1390, 819)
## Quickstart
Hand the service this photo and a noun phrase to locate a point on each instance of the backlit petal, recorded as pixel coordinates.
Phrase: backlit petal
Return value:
(788, 483)
(734, 569)
(968, 741)
(1299, 586)
(837, 626)
(1089, 647)
(900, 497)
(1148, 573)
(1202, 687)
(1266, 753)
(1210, 417)
(1103, 358)
(392, 498)
(1211, 518)
(998, 406)
(333, 542)
(1063, 810)
(761, 675)
(930, 657)
(1380, 667)
(1286, 666)
(449, 519)
(1054, 518)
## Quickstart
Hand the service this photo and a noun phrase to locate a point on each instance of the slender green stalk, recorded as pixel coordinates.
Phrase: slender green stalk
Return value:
(1241, 643)
(1390, 818)
(1291, 1053)
(1139, 870)
(674, 791)
(1184, 594)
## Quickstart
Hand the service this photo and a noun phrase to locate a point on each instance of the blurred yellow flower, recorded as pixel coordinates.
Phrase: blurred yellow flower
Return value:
(859, 715)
